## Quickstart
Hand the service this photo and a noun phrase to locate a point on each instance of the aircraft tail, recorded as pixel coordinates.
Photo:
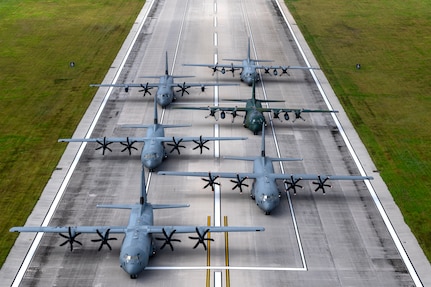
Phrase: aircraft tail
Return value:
(166, 67)
(262, 153)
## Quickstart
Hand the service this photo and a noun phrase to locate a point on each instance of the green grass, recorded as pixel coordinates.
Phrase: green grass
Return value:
(388, 99)
(42, 98)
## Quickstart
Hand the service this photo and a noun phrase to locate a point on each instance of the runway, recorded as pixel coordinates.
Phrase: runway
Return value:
(311, 239)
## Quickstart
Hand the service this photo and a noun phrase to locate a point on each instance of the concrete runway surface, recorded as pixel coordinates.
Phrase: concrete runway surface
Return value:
(353, 235)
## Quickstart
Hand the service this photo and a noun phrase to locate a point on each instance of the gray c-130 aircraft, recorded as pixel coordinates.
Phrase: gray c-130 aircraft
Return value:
(153, 152)
(249, 68)
(264, 189)
(138, 244)
(254, 118)
(165, 87)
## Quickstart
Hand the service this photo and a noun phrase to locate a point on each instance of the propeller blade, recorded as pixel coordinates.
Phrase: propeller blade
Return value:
(201, 144)
(176, 145)
(104, 238)
(298, 115)
(146, 89)
(104, 145)
(183, 89)
(321, 184)
(168, 239)
(201, 238)
(211, 181)
(70, 238)
(239, 182)
(293, 184)
(128, 146)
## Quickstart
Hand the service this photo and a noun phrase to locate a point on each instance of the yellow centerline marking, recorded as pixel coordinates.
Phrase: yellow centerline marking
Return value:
(226, 243)
(208, 276)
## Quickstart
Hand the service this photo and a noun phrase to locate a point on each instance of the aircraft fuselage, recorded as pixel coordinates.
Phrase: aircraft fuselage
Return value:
(264, 189)
(153, 151)
(248, 72)
(254, 119)
(137, 245)
(165, 91)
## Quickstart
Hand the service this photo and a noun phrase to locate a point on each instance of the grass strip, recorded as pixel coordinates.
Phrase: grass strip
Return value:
(42, 98)
(388, 100)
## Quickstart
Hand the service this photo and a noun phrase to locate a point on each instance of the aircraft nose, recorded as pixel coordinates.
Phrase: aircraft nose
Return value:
(132, 268)
(269, 203)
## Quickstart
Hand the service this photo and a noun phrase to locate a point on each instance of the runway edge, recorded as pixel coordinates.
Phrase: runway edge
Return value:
(408, 240)
(22, 245)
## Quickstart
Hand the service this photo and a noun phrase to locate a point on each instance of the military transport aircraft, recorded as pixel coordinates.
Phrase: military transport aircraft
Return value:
(165, 87)
(138, 244)
(254, 118)
(264, 189)
(249, 68)
(153, 152)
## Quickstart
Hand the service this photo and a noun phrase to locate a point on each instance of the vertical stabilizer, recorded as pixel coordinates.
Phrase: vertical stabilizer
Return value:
(248, 50)
(253, 93)
(155, 111)
(263, 141)
(143, 198)
(166, 68)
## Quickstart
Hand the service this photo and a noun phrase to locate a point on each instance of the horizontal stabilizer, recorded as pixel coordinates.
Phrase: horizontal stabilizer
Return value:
(137, 126)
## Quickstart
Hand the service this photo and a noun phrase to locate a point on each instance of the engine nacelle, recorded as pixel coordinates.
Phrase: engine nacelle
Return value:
(222, 114)
(286, 116)
(223, 70)
(275, 72)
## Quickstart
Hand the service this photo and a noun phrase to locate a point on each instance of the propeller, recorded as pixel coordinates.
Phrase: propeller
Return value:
(232, 69)
(298, 115)
(176, 145)
(276, 114)
(168, 239)
(104, 145)
(321, 184)
(293, 184)
(201, 144)
(234, 114)
(211, 181)
(239, 182)
(70, 238)
(183, 88)
(284, 71)
(146, 89)
(215, 68)
(104, 238)
(128, 146)
(212, 113)
(267, 70)
(201, 238)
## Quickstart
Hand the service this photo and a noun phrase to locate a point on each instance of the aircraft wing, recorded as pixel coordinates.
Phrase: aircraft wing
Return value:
(214, 108)
(212, 174)
(286, 67)
(201, 229)
(318, 176)
(71, 229)
(109, 140)
(127, 85)
(186, 85)
(288, 110)
(216, 66)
